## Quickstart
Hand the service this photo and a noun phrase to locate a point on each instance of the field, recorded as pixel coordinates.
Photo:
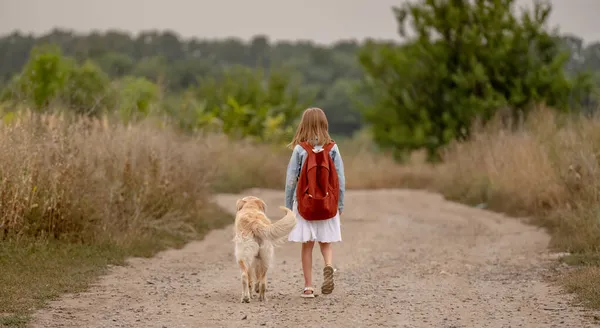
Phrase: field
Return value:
(79, 195)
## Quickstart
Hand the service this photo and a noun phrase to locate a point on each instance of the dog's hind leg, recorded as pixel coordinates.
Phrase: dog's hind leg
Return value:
(251, 277)
(245, 282)
(261, 278)
(256, 283)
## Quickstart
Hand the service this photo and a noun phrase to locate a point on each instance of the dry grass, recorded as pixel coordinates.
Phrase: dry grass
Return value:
(583, 282)
(245, 165)
(548, 170)
(366, 167)
(92, 181)
(79, 194)
(76, 195)
(36, 271)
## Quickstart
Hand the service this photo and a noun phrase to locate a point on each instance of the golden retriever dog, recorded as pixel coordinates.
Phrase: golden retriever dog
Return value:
(255, 240)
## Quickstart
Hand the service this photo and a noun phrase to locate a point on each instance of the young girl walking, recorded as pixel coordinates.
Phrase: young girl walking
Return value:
(313, 129)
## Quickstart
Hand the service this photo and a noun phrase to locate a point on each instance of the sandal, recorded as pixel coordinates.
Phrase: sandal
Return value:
(308, 295)
(328, 283)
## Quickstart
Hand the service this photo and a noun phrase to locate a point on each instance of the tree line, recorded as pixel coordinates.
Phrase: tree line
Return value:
(466, 60)
(325, 75)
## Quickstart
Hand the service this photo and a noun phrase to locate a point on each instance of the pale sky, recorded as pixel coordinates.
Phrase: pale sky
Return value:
(322, 21)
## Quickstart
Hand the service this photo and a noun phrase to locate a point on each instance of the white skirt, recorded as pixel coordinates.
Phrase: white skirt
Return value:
(324, 231)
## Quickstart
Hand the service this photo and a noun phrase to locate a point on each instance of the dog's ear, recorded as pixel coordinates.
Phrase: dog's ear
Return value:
(239, 204)
(263, 205)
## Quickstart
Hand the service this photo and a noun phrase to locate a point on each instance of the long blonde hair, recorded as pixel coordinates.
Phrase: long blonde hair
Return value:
(313, 128)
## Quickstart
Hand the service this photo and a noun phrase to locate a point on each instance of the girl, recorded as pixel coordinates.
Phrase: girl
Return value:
(314, 129)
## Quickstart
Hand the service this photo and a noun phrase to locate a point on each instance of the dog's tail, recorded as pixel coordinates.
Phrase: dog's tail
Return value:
(279, 229)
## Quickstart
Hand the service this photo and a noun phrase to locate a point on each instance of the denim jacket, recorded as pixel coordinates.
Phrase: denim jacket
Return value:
(293, 173)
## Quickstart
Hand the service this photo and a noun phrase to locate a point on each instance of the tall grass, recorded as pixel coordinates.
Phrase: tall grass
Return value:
(245, 164)
(93, 181)
(547, 170)
(95, 191)
(78, 194)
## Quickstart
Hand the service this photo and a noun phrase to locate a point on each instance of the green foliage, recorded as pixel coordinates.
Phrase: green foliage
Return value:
(87, 89)
(467, 60)
(596, 90)
(338, 102)
(187, 73)
(330, 73)
(48, 76)
(151, 68)
(243, 102)
(135, 97)
(116, 64)
(178, 65)
(44, 76)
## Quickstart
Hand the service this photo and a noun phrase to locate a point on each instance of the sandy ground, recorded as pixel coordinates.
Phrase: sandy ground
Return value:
(408, 259)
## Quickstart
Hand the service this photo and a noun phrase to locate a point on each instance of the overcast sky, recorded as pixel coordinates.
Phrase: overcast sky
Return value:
(320, 20)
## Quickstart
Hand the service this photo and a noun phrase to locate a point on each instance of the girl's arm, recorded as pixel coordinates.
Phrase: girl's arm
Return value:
(293, 170)
(339, 167)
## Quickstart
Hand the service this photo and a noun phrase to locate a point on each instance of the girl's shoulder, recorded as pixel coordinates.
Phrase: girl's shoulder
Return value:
(334, 148)
(300, 150)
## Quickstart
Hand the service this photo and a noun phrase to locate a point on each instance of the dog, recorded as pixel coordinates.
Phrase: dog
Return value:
(255, 240)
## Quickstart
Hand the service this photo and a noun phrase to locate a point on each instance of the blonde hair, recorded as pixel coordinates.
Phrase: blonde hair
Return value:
(313, 128)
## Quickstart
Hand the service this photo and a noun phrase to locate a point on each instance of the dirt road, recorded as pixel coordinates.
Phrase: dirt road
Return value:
(408, 259)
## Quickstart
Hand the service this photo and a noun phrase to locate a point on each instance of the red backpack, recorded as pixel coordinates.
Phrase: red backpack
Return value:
(318, 189)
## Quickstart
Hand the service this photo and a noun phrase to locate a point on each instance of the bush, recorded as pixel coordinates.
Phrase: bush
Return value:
(135, 96)
(87, 90)
(251, 103)
(43, 77)
(49, 77)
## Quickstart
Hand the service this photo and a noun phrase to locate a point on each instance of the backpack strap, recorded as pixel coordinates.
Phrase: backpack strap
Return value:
(309, 148)
(329, 146)
(306, 146)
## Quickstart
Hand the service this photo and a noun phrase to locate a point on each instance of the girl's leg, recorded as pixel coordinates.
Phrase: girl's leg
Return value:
(328, 283)
(327, 252)
(307, 249)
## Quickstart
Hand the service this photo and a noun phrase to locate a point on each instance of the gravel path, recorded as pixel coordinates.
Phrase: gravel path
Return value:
(408, 259)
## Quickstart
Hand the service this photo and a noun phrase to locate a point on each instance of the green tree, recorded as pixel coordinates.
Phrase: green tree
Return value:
(183, 74)
(44, 76)
(116, 64)
(87, 89)
(338, 105)
(250, 102)
(151, 68)
(466, 60)
(135, 97)
(48, 76)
